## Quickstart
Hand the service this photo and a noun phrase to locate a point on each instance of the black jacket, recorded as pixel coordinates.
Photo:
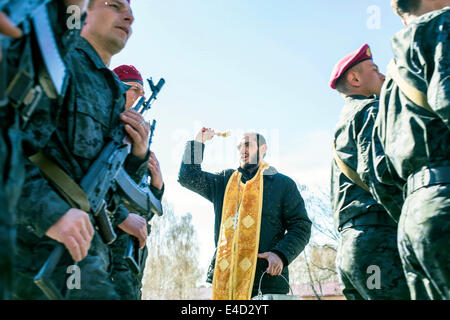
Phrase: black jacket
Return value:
(285, 226)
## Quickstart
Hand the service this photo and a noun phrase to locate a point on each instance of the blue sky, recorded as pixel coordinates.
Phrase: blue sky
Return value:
(244, 65)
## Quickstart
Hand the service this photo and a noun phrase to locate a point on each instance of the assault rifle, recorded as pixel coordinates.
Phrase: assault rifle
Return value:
(107, 186)
(133, 254)
(128, 188)
(33, 78)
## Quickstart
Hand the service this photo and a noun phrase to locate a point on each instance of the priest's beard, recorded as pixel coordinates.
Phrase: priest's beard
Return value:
(252, 164)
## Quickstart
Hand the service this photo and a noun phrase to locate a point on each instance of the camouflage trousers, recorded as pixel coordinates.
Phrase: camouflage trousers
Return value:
(7, 248)
(11, 180)
(127, 284)
(88, 279)
(369, 265)
(424, 242)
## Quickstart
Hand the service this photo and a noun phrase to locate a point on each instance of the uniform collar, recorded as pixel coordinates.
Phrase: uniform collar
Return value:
(85, 46)
(89, 50)
(361, 97)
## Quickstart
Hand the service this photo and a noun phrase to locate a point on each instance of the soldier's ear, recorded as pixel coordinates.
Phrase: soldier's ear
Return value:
(353, 79)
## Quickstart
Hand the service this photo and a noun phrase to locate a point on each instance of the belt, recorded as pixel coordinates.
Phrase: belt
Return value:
(427, 177)
(372, 217)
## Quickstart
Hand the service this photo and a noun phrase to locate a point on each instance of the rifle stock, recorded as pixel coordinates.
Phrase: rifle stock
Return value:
(43, 277)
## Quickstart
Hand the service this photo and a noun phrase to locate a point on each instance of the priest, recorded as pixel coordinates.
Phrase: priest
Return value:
(261, 222)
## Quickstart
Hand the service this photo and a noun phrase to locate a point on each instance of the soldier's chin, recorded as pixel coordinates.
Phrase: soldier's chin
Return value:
(117, 44)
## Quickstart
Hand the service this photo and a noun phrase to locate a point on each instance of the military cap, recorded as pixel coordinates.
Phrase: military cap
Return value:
(128, 73)
(349, 61)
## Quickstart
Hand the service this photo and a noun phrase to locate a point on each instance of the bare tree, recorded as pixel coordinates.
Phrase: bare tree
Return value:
(318, 206)
(316, 265)
(172, 270)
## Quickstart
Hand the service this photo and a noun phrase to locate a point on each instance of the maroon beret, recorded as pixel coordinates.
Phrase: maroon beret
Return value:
(128, 73)
(349, 61)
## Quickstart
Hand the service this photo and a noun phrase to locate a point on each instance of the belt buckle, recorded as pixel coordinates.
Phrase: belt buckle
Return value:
(425, 177)
(350, 223)
(418, 180)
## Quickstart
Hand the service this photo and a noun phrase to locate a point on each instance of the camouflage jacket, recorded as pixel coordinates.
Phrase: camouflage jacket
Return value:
(73, 135)
(353, 137)
(23, 54)
(412, 137)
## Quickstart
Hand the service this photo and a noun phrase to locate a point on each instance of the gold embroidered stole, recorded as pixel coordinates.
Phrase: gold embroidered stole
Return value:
(238, 243)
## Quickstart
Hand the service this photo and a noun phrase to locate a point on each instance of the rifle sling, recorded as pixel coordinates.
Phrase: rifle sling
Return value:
(51, 56)
(349, 172)
(413, 94)
(65, 185)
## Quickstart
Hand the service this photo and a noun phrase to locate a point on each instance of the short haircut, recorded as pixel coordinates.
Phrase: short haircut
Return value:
(259, 138)
(342, 84)
(402, 7)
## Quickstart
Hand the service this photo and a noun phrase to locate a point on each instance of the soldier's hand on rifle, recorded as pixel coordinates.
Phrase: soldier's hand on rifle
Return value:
(275, 263)
(138, 130)
(136, 226)
(205, 134)
(155, 171)
(75, 231)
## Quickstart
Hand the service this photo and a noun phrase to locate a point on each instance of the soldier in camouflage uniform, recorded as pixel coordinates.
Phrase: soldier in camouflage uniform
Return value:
(72, 136)
(368, 235)
(16, 56)
(11, 178)
(414, 130)
(127, 283)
